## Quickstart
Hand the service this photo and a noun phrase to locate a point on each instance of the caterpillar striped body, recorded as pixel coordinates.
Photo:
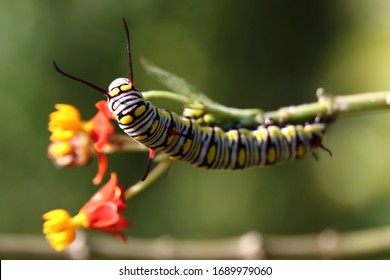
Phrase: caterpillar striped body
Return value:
(203, 146)
(206, 147)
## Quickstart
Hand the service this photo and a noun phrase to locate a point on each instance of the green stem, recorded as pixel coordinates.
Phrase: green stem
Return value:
(123, 143)
(167, 95)
(329, 107)
(226, 115)
(222, 113)
(364, 102)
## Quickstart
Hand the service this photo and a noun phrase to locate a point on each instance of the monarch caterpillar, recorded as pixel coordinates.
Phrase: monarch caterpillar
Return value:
(185, 139)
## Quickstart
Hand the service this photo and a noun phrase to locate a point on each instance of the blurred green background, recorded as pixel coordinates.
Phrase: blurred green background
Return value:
(241, 53)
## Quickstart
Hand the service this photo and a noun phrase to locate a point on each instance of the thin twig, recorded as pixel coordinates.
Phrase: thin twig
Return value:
(327, 244)
(123, 143)
(331, 107)
(327, 107)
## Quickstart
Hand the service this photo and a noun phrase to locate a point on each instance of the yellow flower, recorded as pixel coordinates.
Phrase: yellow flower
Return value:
(65, 123)
(75, 142)
(59, 228)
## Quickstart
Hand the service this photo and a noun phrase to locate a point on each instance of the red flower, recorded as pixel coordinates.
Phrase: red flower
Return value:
(100, 212)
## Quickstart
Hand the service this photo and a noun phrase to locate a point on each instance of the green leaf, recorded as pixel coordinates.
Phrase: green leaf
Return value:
(174, 82)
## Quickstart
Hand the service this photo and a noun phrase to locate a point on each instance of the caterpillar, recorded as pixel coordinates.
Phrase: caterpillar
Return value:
(208, 147)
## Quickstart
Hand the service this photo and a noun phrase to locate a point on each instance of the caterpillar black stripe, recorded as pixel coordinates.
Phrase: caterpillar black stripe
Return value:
(203, 146)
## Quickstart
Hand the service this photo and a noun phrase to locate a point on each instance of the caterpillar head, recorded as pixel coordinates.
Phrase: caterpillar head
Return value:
(117, 83)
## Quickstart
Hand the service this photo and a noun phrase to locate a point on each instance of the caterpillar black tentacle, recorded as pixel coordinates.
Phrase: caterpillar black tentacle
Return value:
(206, 147)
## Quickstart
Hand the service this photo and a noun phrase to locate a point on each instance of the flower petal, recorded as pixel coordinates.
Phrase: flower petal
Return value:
(102, 210)
(102, 168)
(111, 191)
(65, 122)
(59, 228)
